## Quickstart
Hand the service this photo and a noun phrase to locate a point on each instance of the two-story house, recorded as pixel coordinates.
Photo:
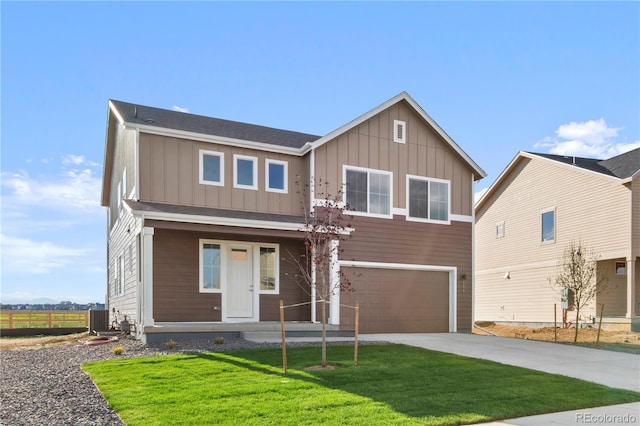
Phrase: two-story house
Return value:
(528, 217)
(205, 213)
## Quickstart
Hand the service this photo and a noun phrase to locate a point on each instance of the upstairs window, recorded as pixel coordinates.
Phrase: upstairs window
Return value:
(399, 129)
(276, 176)
(368, 191)
(211, 168)
(548, 226)
(245, 173)
(428, 199)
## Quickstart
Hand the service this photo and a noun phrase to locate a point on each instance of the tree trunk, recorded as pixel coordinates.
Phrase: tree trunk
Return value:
(324, 333)
(575, 336)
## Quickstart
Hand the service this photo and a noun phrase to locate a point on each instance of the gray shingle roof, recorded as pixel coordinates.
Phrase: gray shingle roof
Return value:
(621, 166)
(162, 118)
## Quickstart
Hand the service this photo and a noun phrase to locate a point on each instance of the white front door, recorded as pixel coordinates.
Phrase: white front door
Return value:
(240, 292)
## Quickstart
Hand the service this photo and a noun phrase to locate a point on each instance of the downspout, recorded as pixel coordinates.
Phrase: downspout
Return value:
(473, 254)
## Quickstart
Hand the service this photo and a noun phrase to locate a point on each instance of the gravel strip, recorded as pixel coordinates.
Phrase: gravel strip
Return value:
(47, 386)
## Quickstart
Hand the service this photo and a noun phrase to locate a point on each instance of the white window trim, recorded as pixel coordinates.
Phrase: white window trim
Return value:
(286, 176)
(224, 246)
(553, 240)
(220, 155)
(223, 269)
(368, 171)
(498, 236)
(237, 157)
(428, 180)
(256, 251)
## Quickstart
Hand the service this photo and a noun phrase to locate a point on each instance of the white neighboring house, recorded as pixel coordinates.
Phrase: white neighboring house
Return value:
(534, 209)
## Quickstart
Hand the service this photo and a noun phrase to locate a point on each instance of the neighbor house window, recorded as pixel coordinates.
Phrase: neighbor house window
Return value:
(210, 266)
(428, 199)
(399, 129)
(211, 168)
(368, 191)
(276, 176)
(500, 230)
(621, 268)
(245, 172)
(548, 225)
(269, 269)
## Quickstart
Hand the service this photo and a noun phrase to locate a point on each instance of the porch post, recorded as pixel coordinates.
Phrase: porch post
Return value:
(334, 272)
(147, 276)
(631, 288)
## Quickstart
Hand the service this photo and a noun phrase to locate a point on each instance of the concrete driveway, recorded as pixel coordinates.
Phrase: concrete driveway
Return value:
(614, 369)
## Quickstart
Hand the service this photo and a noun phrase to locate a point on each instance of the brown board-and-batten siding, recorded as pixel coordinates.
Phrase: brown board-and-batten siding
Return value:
(415, 300)
(176, 289)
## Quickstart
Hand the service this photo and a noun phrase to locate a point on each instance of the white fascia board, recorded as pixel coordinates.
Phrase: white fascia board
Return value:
(223, 221)
(402, 96)
(201, 137)
(115, 112)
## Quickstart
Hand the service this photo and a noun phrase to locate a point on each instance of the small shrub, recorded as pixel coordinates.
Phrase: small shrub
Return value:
(218, 340)
(170, 344)
(118, 350)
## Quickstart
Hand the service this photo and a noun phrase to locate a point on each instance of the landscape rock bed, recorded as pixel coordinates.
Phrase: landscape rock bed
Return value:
(46, 386)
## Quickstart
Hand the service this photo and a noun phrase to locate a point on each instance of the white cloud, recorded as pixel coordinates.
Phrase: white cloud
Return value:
(72, 189)
(593, 138)
(26, 256)
(180, 109)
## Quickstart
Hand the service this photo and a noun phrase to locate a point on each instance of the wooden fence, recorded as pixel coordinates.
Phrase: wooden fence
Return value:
(11, 320)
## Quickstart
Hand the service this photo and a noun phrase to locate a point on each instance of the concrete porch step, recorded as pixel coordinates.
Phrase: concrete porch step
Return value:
(297, 336)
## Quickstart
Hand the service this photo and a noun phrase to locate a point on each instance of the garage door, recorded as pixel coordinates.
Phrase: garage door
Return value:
(397, 301)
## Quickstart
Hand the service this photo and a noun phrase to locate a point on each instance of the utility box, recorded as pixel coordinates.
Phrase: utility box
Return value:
(98, 320)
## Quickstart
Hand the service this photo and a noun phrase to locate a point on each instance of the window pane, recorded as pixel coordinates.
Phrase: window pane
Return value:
(267, 268)
(244, 171)
(211, 168)
(418, 198)
(211, 266)
(276, 176)
(357, 190)
(379, 193)
(548, 225)
(439, 201)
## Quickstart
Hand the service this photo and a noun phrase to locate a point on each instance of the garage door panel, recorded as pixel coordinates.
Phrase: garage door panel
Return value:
(400, 301)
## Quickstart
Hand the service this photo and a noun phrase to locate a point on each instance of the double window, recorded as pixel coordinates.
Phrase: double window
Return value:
(368, 191)
(428, 199)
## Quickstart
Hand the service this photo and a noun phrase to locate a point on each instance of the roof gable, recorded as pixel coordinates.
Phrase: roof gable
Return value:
(404, 96)
(620, 167)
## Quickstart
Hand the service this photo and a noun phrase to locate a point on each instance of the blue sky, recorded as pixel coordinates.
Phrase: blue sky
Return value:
(498, 77)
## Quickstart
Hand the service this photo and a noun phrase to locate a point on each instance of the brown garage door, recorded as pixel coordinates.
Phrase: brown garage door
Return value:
(397, 301)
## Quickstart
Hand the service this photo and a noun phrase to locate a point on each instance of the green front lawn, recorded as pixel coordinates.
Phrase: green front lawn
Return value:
(393, 384)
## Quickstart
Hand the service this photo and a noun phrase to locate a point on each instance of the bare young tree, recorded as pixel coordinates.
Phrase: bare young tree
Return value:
(579, 277)
(326, 227)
